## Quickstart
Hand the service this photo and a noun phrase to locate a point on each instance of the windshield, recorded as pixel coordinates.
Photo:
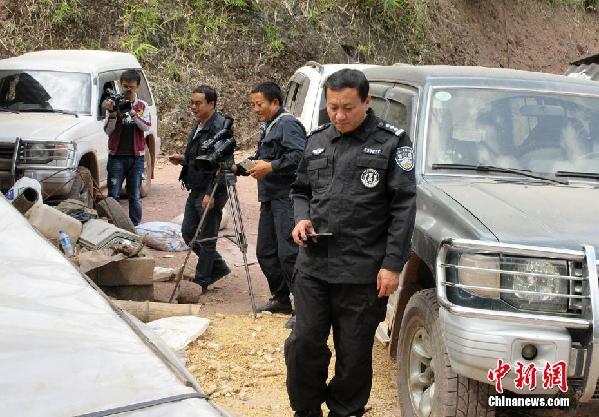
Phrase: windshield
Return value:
(45, 91)
(540, 132)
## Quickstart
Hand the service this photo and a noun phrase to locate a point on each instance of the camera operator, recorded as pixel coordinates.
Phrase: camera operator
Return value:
(199, 181)
(128, 119)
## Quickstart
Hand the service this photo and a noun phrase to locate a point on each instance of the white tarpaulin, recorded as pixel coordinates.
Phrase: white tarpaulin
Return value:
(64, 351)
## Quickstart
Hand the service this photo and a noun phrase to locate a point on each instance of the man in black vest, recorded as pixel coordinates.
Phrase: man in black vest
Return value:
(211, 266)
(282, 141)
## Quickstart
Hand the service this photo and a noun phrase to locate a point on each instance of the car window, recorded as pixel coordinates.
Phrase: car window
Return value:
(540, 132)
(143, 92)
(106, 81)
(300, 98)
(291, 95)
(296, 95)
(379, 106)
(45, 91)
(401, 102)
(323, 116)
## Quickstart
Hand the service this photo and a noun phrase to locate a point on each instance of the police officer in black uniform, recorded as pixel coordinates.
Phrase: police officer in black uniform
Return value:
(356, 184)
(282, 141)
(211, 266)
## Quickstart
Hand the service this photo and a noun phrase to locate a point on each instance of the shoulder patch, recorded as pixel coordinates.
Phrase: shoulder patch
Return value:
(319, 128)
(404, 157)
(390, 128)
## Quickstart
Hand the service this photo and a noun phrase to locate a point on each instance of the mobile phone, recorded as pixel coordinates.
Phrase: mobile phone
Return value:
(320, 237)
(324, 234)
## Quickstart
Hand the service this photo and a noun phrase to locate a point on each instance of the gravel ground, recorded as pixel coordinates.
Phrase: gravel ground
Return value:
(240, 364)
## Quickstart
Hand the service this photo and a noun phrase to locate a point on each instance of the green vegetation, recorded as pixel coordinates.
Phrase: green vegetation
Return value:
(65, 11)
(273, 38)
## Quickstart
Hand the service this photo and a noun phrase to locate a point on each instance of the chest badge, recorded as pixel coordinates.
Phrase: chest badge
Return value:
(370, 178)
(318, 151)
(404, 157)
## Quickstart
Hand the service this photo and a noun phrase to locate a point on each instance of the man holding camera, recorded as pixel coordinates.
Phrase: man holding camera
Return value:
(199, 180)
(282, 142)
(128, 119)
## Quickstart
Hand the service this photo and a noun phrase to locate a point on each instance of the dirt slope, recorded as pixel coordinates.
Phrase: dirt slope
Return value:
(234, 43)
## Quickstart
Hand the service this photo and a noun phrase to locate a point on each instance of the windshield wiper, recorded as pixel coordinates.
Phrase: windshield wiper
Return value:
(491, 168)
(72, 113)
(594, 175)
(6, 109)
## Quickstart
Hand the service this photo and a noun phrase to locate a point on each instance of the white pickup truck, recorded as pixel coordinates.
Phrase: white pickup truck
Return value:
(51, 123)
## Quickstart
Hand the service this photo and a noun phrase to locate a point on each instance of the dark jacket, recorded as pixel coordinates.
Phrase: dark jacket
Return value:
(361, 188)
(283, 147)
(198, 179)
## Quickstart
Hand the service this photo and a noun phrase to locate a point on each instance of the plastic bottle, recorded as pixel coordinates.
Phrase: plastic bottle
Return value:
(65, 243)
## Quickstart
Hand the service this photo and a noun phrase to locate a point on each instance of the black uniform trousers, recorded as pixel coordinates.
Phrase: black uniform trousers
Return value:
(208, 258)
(354, 312)
(275, 249)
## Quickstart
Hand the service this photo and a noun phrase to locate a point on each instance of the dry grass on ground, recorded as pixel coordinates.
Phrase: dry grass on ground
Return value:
(239, 362)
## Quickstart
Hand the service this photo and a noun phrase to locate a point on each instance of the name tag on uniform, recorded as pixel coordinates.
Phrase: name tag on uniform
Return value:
(318, 151)
(372, 151)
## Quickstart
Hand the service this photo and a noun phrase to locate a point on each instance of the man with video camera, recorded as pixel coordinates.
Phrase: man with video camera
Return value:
(200, 162)
(128, 119)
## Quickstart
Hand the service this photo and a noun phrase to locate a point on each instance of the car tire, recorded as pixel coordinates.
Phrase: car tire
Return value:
(426, 383)
(82, 188)
(146, 182)
(112, 210)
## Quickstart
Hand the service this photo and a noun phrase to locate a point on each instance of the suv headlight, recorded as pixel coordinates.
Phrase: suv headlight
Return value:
(43, 153)
(538, 278)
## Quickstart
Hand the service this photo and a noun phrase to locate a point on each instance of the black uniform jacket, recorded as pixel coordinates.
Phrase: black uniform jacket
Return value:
(360, 187)
(200, 179)
(282, 147)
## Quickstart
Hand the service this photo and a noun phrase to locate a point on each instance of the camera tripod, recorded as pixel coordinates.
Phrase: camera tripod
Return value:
(239, 239)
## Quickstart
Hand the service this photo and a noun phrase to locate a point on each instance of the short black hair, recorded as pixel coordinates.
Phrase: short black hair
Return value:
(348, 78)
(131, 75)
(269, 89)
(209, 93)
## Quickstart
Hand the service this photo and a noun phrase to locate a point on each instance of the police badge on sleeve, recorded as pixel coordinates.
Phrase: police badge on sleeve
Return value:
(404, 157)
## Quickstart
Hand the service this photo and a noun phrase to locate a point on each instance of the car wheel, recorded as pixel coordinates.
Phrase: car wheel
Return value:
(146, 182)
(112, 210)
(426, 383)
(82, 188)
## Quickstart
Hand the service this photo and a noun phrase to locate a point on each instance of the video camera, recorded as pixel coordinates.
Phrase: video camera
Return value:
(216, 149)
(121, 101)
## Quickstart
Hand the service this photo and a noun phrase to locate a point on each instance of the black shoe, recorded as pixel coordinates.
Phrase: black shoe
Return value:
(217, 273)
(290, 323)
(308, 413)
(276, 306)
(221, 271)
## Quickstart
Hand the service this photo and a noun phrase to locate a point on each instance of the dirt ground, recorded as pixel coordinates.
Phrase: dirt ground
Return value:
(239, 361)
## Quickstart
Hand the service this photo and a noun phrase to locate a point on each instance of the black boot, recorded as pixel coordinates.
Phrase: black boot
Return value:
(275, 305)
